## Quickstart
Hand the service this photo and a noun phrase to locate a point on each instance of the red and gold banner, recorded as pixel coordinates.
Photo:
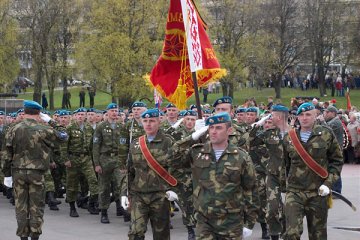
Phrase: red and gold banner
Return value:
(171, 76)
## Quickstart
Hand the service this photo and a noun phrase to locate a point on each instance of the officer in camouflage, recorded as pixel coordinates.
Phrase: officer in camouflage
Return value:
(28, 144)
(78, 152)
(172, 113)
(148, 191)
(308, 191)
(108, 164)
(222, 176)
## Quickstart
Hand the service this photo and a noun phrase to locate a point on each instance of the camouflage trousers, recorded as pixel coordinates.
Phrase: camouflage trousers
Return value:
(29, 193)
(219, 226)
(261, 187)
(49, 182)
(111, 173)
(184, 189)
(314, 207)
(149, 206)
(57, 175)
(275, 212)
(73, 175)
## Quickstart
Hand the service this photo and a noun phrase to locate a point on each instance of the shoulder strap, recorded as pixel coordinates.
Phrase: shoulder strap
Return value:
(305, 156)
(154, 165)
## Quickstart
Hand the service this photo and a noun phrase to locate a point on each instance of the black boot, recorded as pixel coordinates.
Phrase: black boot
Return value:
(73, 212)
(51, 201)
(104, 216)
(23, 238)
(127, 216)
(265, 234)
(191, 233)
(92, 208)
(274, 237)
(34, 238)
(9, 193)
(119, 209)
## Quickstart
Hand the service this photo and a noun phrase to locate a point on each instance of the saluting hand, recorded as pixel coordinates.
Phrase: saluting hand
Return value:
(67, 164)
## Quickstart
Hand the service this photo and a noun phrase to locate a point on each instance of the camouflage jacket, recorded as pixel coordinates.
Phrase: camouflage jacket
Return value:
(106, 141)
(324, 149)
(223, 186)
(80, 142)
(258, 151)
(29, 145)
(141, 177)
(136, 130)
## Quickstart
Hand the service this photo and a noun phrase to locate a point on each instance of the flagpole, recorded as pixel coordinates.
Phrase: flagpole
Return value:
(197, 98)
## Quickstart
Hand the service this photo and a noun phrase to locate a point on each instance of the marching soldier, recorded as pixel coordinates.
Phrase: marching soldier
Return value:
(313, 162)
(172, 113)
(222, 175)
(79, 162)
(28, 144)
(149, 181)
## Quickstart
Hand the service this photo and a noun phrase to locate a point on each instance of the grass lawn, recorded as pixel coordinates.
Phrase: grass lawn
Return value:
(102, 99)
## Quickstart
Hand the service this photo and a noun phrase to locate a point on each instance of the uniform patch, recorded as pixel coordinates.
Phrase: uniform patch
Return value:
(122, 141)
(95, 140)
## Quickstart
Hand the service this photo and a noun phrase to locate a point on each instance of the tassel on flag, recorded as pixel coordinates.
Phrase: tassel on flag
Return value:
(186, 49)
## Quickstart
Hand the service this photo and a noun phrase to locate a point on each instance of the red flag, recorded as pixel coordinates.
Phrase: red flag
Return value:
(348, 102)
(171, 76)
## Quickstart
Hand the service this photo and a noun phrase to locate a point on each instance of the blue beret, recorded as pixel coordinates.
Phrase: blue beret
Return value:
(63, 113)
(2, 113)
(170, 105)
(14, 115)
(80, 110)
(151, 113)
(138, 104)
(31, 105)
(162, 113)
(192, 106)
(190, 113)
(241, 110)
(111, 106)
(305, 107)
(181, 113)
(252, 109)
(222, 117)
(99, 111)
(91, 110)
(46, 112)
(207, 111)
(279, 108)
(222, 100)
(57, 112)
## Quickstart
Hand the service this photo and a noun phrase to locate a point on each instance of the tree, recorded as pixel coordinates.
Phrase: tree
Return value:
(120, 43)
(9, 63)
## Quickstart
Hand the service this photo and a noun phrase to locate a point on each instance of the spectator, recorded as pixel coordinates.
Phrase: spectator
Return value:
(92, 94)
(44, 101)
(82, 97)
(354, 128)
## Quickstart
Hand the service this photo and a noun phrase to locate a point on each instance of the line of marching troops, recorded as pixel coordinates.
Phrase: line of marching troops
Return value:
(231, 169)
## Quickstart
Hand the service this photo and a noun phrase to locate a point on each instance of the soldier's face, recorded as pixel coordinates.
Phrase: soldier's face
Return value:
(278, 118)
(99, 117)
(250, 117)
(189, 122)
(223, 107)
(268, 124)
(137, 111)
(307, 119)
(2, 119)
(241, 117)
(172, 113)
(91, 116)
(151, 125)
(219, 133)
(64, 120)
(113, 113)
(80, 117)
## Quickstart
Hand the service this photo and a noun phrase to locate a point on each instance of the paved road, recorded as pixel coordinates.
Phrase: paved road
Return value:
(58, 225)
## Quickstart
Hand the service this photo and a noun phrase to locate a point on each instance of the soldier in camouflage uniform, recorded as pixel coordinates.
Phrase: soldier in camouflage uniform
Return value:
(172, 113)
(106, 158)
(222, 175)
(78, 153)
(28, 144)
(2, 126)
(307, 193)
(134, 129)
(147, 190)
(260, 156)
(184, 188)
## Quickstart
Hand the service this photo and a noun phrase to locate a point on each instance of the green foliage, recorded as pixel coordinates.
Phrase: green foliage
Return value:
(9, 63)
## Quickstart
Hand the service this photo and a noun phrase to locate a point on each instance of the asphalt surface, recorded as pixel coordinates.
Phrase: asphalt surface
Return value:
(58, 225)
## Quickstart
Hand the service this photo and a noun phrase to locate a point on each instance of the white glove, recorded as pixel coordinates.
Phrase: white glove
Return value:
(125, 202)
(8, 181)
(177, 124)
(246, 232)
(283, 197)
(261, 121)
(45, 117)
(196, 135)
(324, 191)
(171, 196)
(200, 123)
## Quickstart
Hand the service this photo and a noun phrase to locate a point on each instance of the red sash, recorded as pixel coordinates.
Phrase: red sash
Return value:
(305, 156)
(154, 165)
